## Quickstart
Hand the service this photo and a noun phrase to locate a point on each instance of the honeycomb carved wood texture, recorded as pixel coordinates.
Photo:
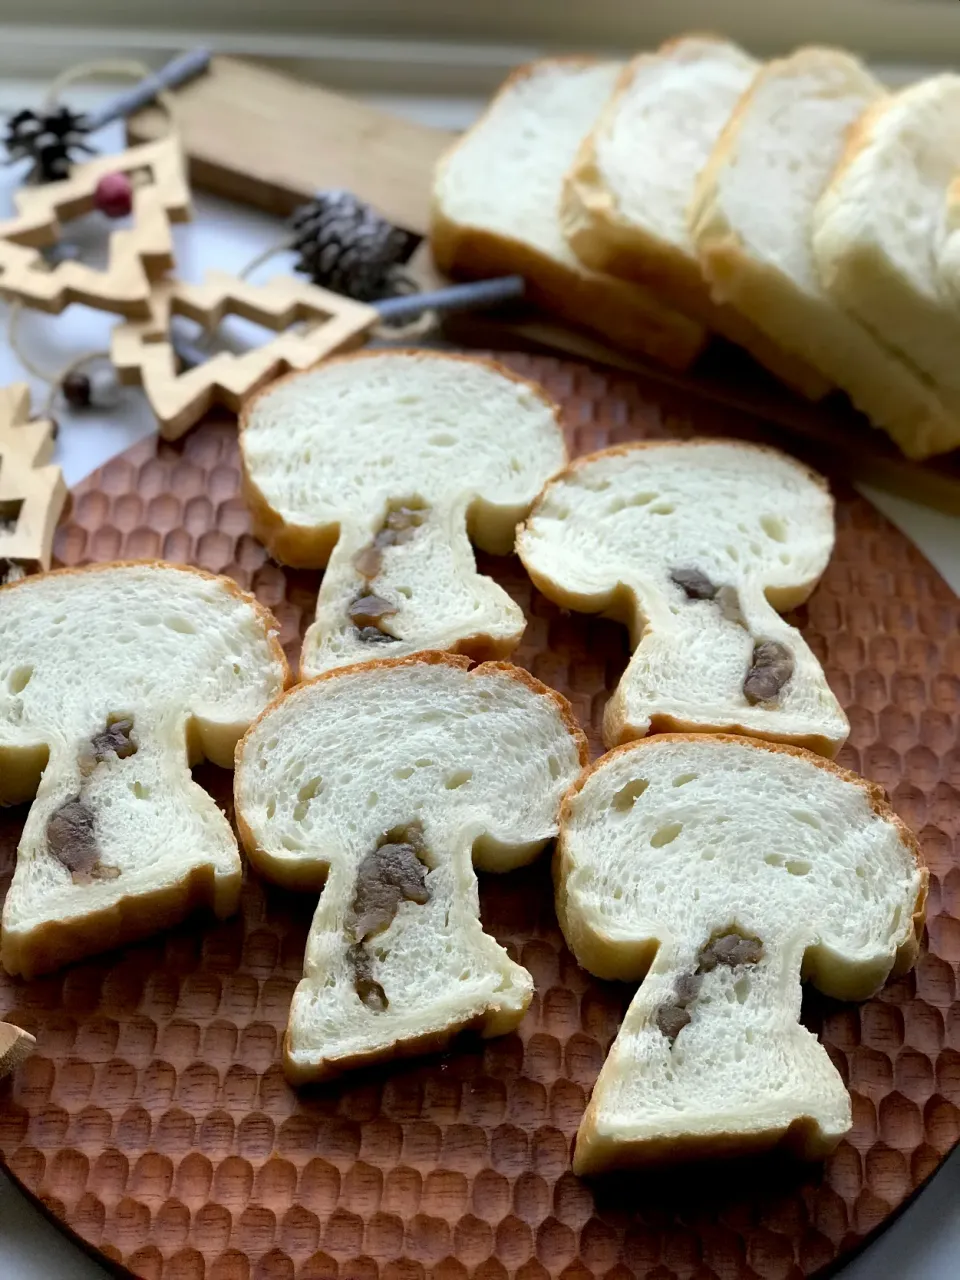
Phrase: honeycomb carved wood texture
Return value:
(153, 1119)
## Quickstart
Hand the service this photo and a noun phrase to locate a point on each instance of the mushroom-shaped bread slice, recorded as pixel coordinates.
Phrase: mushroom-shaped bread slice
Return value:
(113, 681)
(387, 783)
(720, 871)
(383, 467)
(695, 547)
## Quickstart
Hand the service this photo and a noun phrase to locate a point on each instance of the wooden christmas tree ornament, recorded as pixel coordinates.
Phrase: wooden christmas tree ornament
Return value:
(157, 194)
(32, 492)
(143, 352)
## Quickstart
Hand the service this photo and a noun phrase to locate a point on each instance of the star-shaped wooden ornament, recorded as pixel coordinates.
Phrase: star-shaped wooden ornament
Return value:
(32, 492)
(143, 353)
(138, 254)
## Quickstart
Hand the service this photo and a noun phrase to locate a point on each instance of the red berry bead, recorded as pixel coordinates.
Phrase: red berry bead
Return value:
(114, 195)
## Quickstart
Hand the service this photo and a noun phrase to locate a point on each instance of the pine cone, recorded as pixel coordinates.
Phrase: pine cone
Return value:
(345, 247)
(49, 139)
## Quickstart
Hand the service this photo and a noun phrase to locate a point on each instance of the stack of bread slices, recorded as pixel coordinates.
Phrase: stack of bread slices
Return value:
(796, 208)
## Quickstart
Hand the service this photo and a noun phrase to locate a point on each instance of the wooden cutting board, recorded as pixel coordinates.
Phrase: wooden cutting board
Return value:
(272, 141)
(153, 1120)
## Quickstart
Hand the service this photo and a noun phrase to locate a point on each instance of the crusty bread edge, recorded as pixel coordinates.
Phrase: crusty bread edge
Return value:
(617, 731)
(474, 253)
(55, 943)
(297, 1072)
(857, 137)
(595, 1155)
(653, 329)
(310, 546)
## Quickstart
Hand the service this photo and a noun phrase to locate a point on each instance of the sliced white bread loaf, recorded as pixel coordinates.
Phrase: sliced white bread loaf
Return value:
(113, 680)
(719, 872)
(877, 227)
(383, 466)
(496, 209)
(386, 784)
(695, 547)
(625, 200)
(752, 223)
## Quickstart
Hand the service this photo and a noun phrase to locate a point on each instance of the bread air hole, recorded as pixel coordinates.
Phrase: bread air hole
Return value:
(307, 792)
(684, 778)
(140, 790)
(627, 796)
(795, 866)
(458, 779)
(553, 764)
(183, 626)
(663, 509)
(638, 500)
(803, 815)
(19, 678)
(774, 527)
(666, 834)
(310, 790)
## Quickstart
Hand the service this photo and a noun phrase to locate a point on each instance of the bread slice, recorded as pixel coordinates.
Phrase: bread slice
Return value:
(719, 872)
(695, 547)
(625, 200)
(876, 227)
(751, 222)
(947, 247)
(496, 209)
(382, 466)
(387, 783)
(113, 681)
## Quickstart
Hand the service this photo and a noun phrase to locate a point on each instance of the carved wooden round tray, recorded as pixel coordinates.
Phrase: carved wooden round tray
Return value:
(153, 1120)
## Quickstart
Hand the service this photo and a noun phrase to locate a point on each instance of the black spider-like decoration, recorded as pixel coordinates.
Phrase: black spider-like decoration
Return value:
(49, 139)
(343, 245)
